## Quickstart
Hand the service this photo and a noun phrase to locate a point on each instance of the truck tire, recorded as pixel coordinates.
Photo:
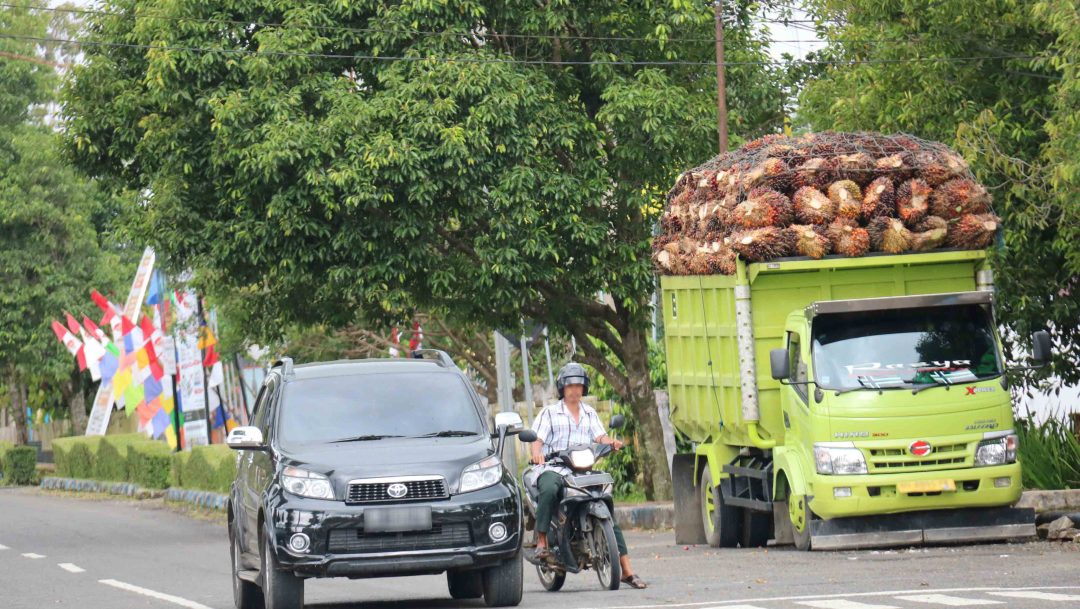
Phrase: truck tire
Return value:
(800, 515)
(503, 583)
(721, 522)
(281, 590)
(689, 528)
(246, 595)
(464, 585)
(756, 529)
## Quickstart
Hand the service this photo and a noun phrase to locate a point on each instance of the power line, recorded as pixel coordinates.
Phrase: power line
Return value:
(507, 60)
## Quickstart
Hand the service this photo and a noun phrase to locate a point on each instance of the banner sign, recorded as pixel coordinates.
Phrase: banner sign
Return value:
(192, 378)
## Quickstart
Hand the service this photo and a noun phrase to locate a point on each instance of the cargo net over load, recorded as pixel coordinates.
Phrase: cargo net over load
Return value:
(842, 194)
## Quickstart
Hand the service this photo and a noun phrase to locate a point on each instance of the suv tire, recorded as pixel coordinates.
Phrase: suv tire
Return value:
(465, 585)
(503, 582)
(246, 595)
(281, 590)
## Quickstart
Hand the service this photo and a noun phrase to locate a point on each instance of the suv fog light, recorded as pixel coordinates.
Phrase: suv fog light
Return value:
(497, 531)
(1002, 482)
(299, 543)
(841, 491)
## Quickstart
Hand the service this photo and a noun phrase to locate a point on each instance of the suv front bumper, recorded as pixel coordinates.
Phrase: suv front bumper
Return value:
(411, 553)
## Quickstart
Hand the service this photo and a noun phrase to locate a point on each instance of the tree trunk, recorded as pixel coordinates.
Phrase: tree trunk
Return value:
(643, 402)
(18, 411)
(76, 399)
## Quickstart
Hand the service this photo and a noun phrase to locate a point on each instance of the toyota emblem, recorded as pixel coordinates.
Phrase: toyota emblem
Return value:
(920, 448)
(397, 490)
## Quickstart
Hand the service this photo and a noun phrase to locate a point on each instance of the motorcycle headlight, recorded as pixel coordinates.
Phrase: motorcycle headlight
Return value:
(582, 459)
(481, 475)
(839, 459)
(997, 450)
(306, 484)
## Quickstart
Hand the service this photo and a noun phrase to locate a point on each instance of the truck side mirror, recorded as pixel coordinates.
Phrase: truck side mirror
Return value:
(617, 421)
(780, 364)
(1040, 352)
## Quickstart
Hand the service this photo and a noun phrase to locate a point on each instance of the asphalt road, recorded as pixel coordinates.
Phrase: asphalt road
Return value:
(67, 551)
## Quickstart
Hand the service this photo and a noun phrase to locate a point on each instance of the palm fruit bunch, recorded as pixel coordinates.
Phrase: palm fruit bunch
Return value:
(818, 195)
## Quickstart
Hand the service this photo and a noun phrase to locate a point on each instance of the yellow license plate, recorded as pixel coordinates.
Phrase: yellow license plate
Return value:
(926, 486)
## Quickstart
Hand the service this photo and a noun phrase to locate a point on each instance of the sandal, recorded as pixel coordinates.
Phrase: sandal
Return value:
(634, 582)
(542, 556)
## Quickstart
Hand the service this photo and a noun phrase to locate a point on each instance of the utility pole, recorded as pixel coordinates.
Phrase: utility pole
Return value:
(721, 95)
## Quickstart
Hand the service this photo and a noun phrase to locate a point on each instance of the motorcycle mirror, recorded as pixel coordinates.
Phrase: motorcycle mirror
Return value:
(527, 436)
(617, 421)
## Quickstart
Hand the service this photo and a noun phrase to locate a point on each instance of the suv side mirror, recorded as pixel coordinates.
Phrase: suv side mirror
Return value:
(510, 420)
(780, 364)
(1040, 352)
(245, 438)
(617, 421)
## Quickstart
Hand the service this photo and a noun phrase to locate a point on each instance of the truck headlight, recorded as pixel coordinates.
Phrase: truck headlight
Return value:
(306, 484)
(839, 459)
(997, 449)
(481, 475)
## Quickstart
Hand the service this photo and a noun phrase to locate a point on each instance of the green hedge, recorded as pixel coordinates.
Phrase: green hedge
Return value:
(4, 447)
(148, 463)
(18, 463)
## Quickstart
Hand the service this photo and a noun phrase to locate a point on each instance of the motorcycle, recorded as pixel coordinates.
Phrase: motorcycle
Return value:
(582, 533)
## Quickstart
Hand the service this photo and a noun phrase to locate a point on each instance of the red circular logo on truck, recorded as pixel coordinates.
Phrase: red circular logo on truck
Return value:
(920, 448)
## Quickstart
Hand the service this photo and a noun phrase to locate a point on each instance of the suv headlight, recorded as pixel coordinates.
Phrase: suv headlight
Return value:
(481, 475)
(997, 450)
(306, 484)
(839, 459)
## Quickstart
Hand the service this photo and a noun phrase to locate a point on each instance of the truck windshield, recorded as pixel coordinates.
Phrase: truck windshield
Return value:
(904, 348)
(375, 406)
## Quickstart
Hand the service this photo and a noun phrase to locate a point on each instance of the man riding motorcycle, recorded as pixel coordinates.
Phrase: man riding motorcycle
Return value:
(559, 426)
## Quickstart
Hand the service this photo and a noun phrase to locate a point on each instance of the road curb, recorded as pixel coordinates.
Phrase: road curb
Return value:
(1046, 501)
(203, 499)
(125, 489)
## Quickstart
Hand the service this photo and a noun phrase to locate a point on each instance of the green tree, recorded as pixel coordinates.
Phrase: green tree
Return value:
(50, 254)
(996, 79)
(419, 160)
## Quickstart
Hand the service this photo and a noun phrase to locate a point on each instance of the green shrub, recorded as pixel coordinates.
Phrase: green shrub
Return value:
(112, 457)
(1049, 454)
(176, 473)
(76, 456)
(149, 464)
(20, 465)
(208, 468)
(4, 448)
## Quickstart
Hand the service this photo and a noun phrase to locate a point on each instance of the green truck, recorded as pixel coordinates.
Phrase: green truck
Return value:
(843, 403)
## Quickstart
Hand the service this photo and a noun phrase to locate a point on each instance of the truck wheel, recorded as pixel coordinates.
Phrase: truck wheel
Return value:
(465, 584)
(503, 582)
(721, 522)
(281, 590)
(800, 515)
(756, 529)
(246, 595)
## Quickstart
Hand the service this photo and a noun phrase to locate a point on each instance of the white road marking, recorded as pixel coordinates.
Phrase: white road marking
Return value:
(3, 547)
(945, 599)
(70, 568)
(176, 600)
(1039, 596)
(770, 599)
(838, 603)
(735, 607)
(33, 556)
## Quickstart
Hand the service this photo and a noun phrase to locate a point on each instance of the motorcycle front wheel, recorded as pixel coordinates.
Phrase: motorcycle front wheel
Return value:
(605, 553)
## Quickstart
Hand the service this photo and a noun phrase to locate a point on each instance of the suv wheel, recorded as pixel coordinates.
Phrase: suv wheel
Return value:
(246, 595)
(281, 590)
(502, 583)
(465, 584)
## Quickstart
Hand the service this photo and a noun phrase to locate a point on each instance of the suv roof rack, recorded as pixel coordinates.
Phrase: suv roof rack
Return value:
(287, 366)
(444, 358)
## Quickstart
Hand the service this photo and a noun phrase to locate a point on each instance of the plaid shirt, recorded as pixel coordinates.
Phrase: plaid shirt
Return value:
(556, 428)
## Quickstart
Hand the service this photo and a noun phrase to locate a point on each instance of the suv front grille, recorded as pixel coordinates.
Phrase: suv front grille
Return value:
(445, 537)
(898, 459)
(417, 489)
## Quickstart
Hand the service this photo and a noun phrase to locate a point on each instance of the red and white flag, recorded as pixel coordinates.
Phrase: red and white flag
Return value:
(72, 344)
(417, 340)
(395, 338)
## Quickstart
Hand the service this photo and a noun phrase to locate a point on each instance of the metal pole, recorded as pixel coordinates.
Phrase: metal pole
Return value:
(721, 95)
(202, 355)
(547, 353)
(527, 380)
(505, 377)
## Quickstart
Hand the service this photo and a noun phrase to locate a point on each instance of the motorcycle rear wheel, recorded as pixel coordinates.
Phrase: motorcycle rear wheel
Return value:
(605, 553)
(550, 579)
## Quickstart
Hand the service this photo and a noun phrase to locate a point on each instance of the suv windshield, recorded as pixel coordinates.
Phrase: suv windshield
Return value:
(904, 348)
(372, 406)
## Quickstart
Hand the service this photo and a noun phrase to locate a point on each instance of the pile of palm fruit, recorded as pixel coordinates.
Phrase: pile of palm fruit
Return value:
(815, 195)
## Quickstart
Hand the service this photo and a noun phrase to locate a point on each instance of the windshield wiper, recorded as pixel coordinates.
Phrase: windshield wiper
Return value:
(453, 433)
(866, 382)
(364, 438)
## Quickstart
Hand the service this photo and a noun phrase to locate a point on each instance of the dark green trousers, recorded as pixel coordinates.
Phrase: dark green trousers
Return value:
(550, 484)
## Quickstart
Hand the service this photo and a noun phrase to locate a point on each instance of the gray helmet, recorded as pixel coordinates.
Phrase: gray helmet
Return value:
(572, 374)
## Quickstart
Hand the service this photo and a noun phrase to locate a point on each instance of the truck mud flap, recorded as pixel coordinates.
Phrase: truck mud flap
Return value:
(917, 528)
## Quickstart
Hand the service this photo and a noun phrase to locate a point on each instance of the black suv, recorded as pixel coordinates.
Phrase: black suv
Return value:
(373, 468)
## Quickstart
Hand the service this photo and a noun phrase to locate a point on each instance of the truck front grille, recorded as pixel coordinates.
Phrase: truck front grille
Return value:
(444, 537)
(898, 459)
(377, 491)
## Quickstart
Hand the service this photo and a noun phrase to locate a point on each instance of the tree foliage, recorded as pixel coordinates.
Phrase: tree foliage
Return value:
(996, 79)
(420, 161)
